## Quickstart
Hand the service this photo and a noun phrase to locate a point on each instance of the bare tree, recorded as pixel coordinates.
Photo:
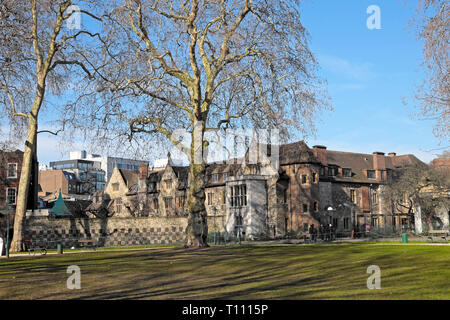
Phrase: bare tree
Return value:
(39, 54)
(414, 186)
(432, 22)
(204, 66)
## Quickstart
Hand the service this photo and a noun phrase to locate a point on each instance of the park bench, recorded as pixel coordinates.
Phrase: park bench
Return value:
(440, 234)
(88, 242)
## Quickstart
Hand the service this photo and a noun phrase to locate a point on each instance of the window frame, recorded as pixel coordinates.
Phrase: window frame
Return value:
(305, 207)
(304, 178)
(374, 174)
(15, 195)
(353, 193)
(346, 170)
(15, 170)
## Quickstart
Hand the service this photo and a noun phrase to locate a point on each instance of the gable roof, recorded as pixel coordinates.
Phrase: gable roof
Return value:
(297, 152)
(130, 177)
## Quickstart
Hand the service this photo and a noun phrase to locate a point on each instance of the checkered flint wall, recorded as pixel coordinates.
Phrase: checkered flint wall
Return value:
(113, 232)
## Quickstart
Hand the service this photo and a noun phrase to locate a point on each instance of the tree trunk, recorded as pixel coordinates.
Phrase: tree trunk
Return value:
(197, 228)
(17, 243)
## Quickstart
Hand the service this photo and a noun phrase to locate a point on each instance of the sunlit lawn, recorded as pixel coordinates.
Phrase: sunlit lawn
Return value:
(248, 272)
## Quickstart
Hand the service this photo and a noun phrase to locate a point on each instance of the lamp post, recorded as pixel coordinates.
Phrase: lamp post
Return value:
(215, 238)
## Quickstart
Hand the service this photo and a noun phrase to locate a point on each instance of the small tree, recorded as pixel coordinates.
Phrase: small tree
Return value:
(37, 52)
(205, 66)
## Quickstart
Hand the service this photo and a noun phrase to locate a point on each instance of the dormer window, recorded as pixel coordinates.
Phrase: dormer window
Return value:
(347, 173)
(322, 171)
(331, 172)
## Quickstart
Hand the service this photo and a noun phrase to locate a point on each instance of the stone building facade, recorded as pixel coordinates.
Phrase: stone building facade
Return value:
(259, 198)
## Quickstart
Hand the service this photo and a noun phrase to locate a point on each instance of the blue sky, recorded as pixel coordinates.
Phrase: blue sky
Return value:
(368, 74)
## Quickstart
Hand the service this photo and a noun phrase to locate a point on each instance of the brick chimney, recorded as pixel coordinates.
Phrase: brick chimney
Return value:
(320, 152)
(392, 154)
(143, 171)
(379, 161)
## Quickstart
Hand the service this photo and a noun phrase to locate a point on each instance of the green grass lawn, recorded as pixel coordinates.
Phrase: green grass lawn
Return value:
(247, 272)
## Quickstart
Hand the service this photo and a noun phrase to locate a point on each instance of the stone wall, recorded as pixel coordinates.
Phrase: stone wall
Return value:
(109, 232)
(112, 232)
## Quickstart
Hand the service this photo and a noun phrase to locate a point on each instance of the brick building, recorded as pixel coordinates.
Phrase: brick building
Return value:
(303, 186)
(10, 168)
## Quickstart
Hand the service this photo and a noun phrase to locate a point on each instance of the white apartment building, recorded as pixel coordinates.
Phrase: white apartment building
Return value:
(107, 163)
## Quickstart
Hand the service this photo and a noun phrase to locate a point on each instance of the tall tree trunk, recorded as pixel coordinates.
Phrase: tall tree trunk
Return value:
(17, 243)
(197, 228)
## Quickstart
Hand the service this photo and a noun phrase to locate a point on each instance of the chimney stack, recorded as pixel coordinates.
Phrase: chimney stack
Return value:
(379, 162)
(143, 171)
(392, 154)
(320, 152)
